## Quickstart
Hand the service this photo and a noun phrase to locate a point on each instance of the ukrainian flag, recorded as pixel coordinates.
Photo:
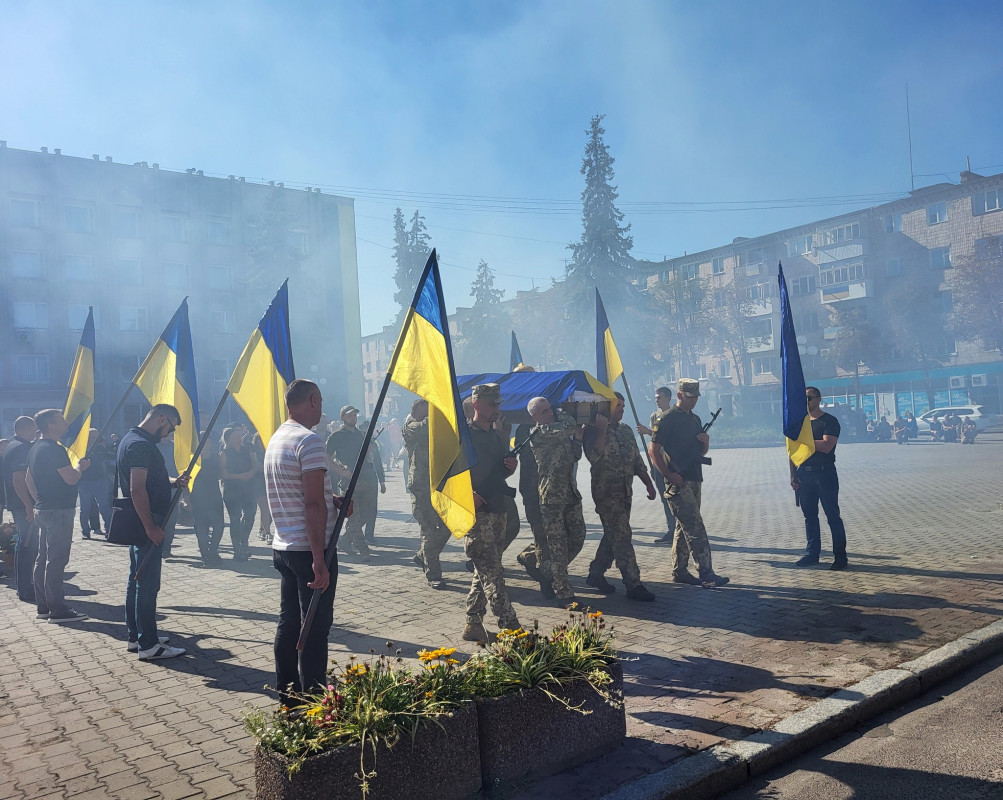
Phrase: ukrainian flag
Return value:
(81, 394)
(423, 364)
(265, 369)
(515, 360)
(168, 376)
(608, 366)
(797, 423)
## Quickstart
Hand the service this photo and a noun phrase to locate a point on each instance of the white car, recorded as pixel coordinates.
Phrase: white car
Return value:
(977, 414)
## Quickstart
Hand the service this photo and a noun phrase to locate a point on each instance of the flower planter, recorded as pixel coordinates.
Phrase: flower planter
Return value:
(441, 763)
(529, 735)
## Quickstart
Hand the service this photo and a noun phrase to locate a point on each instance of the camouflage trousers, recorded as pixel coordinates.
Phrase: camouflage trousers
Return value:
(565, 529)
(536, 553)
(434, 535)
(363, 509)
(483, 546)
(691, 535)
(616, 542)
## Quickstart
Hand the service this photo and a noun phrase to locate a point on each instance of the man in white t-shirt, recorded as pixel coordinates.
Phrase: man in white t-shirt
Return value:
(304, 509)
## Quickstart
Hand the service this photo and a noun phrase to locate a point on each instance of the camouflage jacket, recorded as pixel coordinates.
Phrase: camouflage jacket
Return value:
(614, 467)
(556, 450)
(416, 441)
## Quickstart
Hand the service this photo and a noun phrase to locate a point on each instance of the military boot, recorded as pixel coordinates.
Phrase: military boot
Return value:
(713, 580)
(598, 581)
(529, 565)
(686, 577)
(639, 592)
(474, 632)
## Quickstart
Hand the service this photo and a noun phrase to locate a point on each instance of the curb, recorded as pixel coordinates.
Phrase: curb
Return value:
(724, 767)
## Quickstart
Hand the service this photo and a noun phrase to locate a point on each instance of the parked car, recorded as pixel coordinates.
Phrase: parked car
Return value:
(978, 415)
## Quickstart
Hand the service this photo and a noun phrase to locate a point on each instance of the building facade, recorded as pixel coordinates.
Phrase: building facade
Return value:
(133, 241)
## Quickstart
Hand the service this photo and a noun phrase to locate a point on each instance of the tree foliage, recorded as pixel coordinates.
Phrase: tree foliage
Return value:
(977, 295)
(483, 341)
(679, 307)
(733, 328)
(411, 250)
(859, 341)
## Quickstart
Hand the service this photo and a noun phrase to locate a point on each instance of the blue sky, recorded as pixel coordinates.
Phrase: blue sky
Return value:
(726, 119)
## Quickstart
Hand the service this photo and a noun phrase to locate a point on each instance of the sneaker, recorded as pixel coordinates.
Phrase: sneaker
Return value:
(42, 614)
(67, 616)
(599, 582)
(806, 561)
(86, 534)
(474, 632)
(839, 565)
(133, 647)
(686, 577)
(713, 581)
(531, 569)
(161, 651)
(639, 592)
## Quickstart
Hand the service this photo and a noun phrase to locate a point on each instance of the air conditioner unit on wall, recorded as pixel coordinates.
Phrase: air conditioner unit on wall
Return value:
(958, 382)
(979, 380)
(23, 337)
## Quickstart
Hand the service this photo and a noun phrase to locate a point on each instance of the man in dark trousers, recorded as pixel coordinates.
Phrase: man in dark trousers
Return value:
(663, 401)
(21, 505)
(143, 476)
(816, 482)
(343, 448)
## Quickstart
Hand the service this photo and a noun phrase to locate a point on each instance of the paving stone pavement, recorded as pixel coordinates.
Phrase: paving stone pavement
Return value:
(82, 718)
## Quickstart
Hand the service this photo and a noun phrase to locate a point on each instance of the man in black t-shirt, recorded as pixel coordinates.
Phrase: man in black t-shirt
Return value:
(21, 505)
(816, 482)
(52, 482)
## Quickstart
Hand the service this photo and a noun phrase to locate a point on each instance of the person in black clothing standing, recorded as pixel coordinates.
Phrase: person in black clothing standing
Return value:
(207, 507)
(18, 500)
(238, 468)
(816, 482)
(93, 487)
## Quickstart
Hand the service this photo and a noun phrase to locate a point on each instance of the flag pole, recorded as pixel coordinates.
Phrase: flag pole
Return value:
(176, 497)
(332, 547)
(633, 410)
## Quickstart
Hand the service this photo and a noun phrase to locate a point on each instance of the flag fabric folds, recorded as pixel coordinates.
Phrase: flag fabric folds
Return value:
(168, 376)
(797, 423)
(423, 364)
(515, 360)
(80, 397)
(608, 365)
(265, 369)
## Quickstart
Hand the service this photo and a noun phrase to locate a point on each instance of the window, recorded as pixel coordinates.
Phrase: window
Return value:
(724, 368)
(808, 321)
(760, 291)
(30, 316)
(222, 322)
(936, 213)
(77, 317)
(701, 372)
(173, 226)
(175, 275)
(26, 213)
(79, 268)
(800, 246)
(220, 370)
(690, 271)
(844, 233)
(717, 266)
(892, 223)
(128, 223)
(801, 287)
(128, 366)
(130, 271)
(720, 299)
(760, 328)
(218, 278)
(132, 318)
(218, 232)
(764, 365)
(940, 257)
(78, 219)
(757, 255)
(844, 274)
(299, 241)
(988, 248)
(984, 202)
(32, 369)
(893, 267)
(26, 264)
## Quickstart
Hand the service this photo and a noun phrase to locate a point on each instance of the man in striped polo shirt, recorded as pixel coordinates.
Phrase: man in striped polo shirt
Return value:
(304, 509)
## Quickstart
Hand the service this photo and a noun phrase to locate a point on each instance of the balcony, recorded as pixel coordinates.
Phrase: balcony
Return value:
(852, 290)
(760, 308)
(830, 333)
(767, 344)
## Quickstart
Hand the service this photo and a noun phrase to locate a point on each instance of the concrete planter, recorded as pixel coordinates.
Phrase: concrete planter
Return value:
(442, 763)
(529, 735)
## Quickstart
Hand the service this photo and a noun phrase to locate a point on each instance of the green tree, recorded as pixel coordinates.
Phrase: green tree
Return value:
(917, 321)
(412, 247)
(681, 321)
(734, 329)
(482, 344)
(977, 296)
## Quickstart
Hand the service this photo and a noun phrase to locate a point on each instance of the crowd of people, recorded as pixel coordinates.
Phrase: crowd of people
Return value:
(947, 427)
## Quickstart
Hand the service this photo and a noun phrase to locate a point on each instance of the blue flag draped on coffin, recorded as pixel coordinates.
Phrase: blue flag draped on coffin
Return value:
(515, 360)
(168, 376)
(265, 369)
(80, 397)
(797, 423)
(423, 364)
(608, 366)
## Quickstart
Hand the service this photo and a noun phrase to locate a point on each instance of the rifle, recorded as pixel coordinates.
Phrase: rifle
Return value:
(706, 427)
(515, 450)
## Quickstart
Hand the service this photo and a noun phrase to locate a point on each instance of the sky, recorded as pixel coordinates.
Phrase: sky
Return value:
(725, 119)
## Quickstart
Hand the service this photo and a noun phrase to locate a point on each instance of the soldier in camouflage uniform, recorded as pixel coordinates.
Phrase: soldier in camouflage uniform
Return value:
(612, 451)
(343, 449)
(663, 401)
(556, 447)
(486, 539)
(434, 534)
(677, 445)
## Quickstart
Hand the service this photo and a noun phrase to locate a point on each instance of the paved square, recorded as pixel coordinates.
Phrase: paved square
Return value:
(81, 718)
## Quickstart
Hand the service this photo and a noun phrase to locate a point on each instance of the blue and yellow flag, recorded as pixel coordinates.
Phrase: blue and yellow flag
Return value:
(797, 423)
(515, 360)
(81, 394)
(265, 369)
(608, 366)
(423, 364)
(168, 376)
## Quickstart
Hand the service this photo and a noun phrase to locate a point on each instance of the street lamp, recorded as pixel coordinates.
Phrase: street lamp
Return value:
(856, 372)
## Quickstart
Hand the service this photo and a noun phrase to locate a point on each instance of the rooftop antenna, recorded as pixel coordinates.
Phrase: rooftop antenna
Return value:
(908, 121)
(968, 163)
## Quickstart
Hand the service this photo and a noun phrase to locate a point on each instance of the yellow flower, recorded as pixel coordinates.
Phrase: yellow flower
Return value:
(446, 651)
(426, 655)
(316, 711)
(356, 670)
(595, 614)
(452, 661)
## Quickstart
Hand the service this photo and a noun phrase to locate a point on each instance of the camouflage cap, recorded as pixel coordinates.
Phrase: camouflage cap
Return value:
(348, 410)
(689, 387)
(490, 392)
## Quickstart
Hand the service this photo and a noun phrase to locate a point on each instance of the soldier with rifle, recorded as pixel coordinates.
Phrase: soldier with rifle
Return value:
(678, 449)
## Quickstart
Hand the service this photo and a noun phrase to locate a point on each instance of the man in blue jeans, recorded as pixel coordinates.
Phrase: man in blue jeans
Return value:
(816, 482)
(142, 475)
